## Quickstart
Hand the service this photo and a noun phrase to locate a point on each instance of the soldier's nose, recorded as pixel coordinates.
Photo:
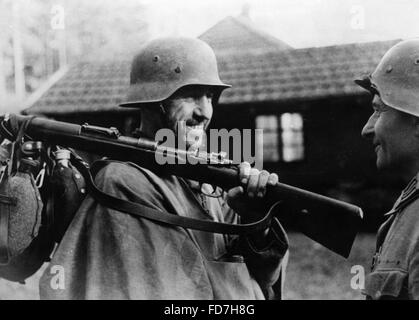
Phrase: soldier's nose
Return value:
(204, 108)
(368, 129)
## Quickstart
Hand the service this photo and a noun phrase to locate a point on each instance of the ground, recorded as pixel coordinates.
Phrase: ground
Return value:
(316, 273)
(313, 272)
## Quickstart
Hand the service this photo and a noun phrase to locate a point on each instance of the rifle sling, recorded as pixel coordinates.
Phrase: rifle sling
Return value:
(139, 210)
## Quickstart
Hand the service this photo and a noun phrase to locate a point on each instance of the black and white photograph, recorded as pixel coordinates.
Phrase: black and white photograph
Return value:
(209, 150)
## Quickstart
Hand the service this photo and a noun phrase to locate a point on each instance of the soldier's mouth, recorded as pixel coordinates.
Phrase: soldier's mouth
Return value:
(194, 123)
(195, 127)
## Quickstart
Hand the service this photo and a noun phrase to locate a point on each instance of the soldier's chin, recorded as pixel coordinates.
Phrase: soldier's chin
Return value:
(194, 137)
(383, 165)
(192, 144)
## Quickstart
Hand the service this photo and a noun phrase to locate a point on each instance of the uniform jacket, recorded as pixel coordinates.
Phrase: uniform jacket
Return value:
(106, 254)
(395, 268)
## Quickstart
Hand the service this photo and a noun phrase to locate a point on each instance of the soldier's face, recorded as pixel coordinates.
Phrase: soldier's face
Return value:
(190, 107)
(393, 135)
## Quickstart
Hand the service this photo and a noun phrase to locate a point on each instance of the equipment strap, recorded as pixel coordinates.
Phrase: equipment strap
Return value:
(139, 210)
(4, 223)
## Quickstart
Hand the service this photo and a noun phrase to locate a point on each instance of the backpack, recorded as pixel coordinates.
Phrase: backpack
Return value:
(39, 195)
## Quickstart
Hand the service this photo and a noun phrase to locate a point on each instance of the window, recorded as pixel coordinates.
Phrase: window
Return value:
(282, 139)
(267, 144)
(292, 137)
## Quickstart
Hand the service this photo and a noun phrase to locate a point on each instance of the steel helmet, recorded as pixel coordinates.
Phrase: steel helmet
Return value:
(165, 65)
(396, 78)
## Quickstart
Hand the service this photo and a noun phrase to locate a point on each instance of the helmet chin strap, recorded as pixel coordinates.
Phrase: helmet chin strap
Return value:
(162, 108)
(164, 116)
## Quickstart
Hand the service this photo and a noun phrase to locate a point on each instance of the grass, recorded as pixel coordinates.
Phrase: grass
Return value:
(313, 272)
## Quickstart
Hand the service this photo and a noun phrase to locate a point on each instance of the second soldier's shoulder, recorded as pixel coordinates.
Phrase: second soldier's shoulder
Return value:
(408, 221)
(411, 209)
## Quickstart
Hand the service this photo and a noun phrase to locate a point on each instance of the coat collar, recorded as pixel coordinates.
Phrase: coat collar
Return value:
(408, 194)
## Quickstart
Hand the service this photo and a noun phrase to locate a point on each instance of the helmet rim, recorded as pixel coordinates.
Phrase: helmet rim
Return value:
(165, 65)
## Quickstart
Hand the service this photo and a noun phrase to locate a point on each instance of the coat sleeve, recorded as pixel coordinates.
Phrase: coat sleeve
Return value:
(267, 265)
(413, 279)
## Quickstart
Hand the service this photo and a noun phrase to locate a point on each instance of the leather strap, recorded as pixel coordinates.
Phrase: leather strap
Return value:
(14, 158)
(8, 200)
(139, 210)
(4, 224)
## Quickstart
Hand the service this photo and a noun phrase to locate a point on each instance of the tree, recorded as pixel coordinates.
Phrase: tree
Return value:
(93, 30)
(105, 29)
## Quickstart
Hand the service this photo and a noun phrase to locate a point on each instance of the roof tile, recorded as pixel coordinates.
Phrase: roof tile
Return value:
(239, 32)
(256, 77)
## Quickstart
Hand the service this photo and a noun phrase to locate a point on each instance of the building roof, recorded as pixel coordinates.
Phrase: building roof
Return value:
(86, 87)
(299, 74)
(239, 32)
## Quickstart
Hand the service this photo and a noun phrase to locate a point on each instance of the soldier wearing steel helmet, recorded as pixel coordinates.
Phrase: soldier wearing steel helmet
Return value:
(393, 129)
(109, 255)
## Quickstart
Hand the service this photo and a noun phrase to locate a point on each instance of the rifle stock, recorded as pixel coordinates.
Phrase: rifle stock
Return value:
(332, 223)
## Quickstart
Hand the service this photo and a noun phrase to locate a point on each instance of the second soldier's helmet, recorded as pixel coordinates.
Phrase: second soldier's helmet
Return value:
(167, 64)
(396, 78)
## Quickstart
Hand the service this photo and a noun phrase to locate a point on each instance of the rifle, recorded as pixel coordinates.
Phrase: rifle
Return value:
(330, 222)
